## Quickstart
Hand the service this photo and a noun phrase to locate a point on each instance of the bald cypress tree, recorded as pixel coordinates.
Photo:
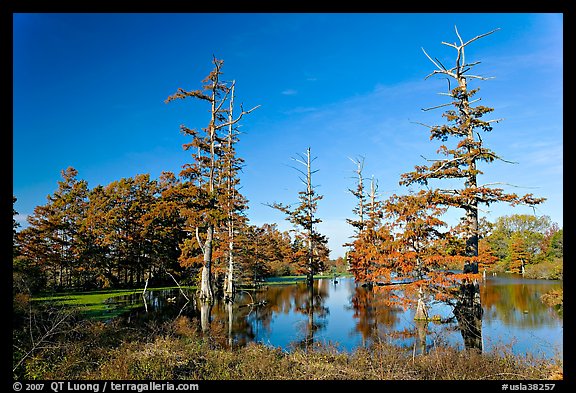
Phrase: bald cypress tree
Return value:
(206, 210)
(465, 121)
(303, 216)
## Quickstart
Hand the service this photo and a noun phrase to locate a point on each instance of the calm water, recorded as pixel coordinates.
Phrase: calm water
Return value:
(352, 316)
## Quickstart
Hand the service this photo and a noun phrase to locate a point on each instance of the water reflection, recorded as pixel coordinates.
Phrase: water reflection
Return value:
(374, 317)
(516, 301)
(468, 312)
(298, 316)
(309, 301)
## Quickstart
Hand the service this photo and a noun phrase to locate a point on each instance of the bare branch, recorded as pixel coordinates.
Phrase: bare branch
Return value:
(223, 100)
(359, 163)
(237, 119)
(490, 153)
(436, 64)
(198, 240)
(507, 184)
(49, 332)
(449, 44)
(422, 124)
(461, 49)
(444, 68)
(300, 162)
(440, 72)
(445, 161)
(436, 107)
(484, 78)
(480, 36)
(180, 288)
(470, 65)
(458, 34)
(297, 169)
(494, 121)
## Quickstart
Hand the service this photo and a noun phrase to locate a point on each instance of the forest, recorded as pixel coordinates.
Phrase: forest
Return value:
(192, 228)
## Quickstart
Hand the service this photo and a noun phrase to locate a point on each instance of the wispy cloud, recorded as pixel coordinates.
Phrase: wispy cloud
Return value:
(289, 92)
(300, 109)
(547, 156)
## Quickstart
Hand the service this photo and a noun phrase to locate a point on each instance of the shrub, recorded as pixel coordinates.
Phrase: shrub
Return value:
(551, 270)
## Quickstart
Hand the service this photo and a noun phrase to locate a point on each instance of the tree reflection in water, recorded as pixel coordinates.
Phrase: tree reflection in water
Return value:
(292, 315)
(468, 312)
(309, 301)
(375, 317)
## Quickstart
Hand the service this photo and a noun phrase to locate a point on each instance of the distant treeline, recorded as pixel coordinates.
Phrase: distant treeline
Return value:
(524, 241)
(132, 230)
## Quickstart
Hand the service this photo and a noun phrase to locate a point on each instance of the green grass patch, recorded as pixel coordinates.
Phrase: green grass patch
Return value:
(99, 305)
(287, 280)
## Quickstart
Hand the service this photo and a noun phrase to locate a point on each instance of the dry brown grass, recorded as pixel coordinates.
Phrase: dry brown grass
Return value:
(178, 351)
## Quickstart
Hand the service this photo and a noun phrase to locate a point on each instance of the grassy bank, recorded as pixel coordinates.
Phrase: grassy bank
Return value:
(96, 304)
(177, 350)
(285, 280)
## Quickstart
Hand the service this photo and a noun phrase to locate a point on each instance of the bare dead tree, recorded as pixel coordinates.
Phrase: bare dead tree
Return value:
(360, 195)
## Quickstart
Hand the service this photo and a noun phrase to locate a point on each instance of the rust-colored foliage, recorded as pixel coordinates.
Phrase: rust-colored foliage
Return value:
(486, 257)
(214, 202)
(411, 248)
(464, 122)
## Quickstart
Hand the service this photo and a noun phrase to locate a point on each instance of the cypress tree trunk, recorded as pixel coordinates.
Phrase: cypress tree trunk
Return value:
(421, 310)
(205, 315)
(468, 312)
(206, 293)
(229, 282)
(422, 330)
(230, 321)
(471, 182)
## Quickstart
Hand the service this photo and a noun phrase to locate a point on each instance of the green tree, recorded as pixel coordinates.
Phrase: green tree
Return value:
(256, 253)
(534, 231)
(163, 228)
(556, 249)
(98, 232)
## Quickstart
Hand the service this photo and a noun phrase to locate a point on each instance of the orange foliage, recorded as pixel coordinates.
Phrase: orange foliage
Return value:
(409, 252)
(486, 257)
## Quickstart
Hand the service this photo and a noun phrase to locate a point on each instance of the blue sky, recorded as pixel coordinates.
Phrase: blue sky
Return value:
(89, 92)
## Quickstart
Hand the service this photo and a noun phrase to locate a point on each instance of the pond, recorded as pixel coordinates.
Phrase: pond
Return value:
(347, 315)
